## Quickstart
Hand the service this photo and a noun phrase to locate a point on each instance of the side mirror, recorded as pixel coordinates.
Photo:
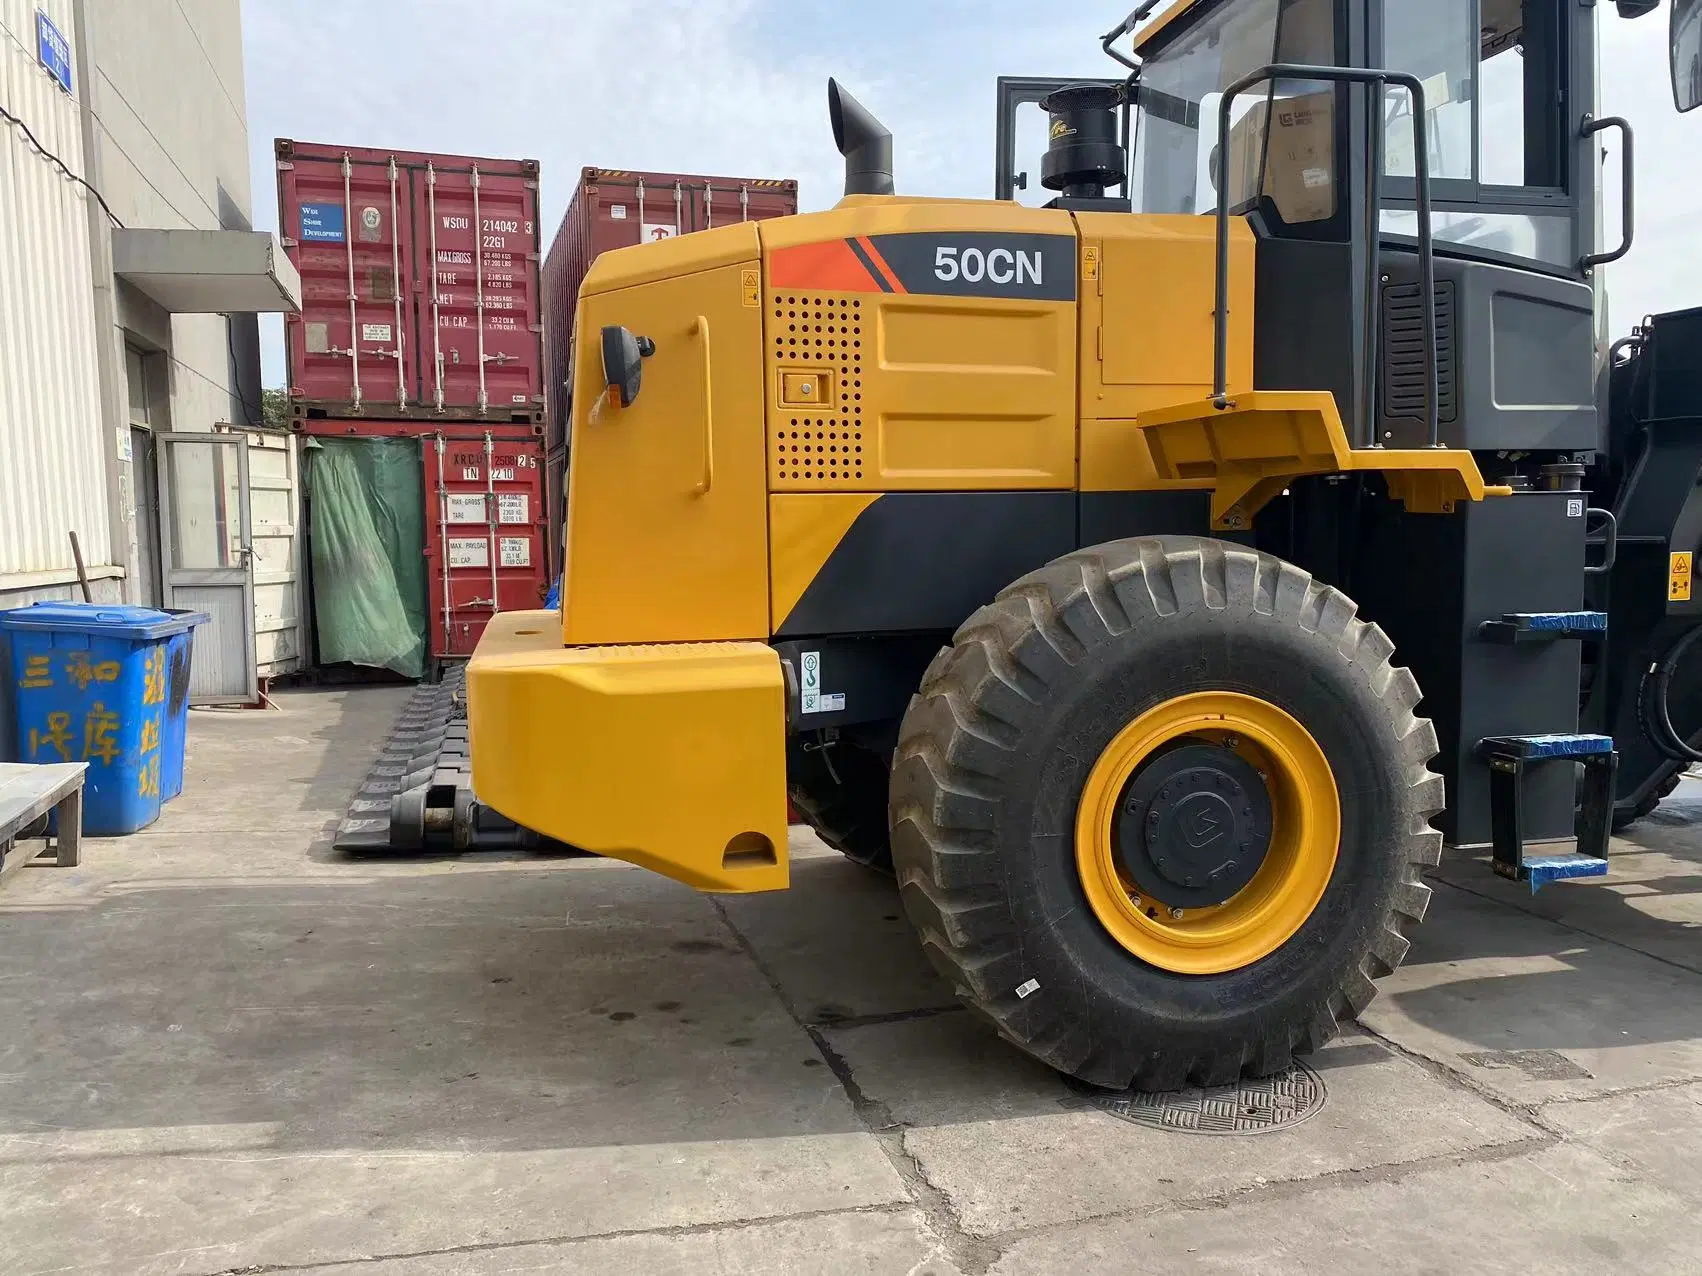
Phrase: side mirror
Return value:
(623, 363)
(1685, 39)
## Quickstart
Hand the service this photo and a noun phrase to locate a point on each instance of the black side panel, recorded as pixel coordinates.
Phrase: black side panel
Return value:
(1303, 335)
(926, 560)
(1115, 516)
(1517, 358)
(854, 680)
(1430, 580)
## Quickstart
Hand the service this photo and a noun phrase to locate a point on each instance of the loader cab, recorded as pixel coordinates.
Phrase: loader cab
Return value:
(1474, 327)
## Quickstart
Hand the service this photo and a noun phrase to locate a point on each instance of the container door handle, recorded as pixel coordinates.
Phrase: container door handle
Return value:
(1628, 191)
(700, 327)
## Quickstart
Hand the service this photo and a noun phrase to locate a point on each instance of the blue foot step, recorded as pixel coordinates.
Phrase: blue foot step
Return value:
(1544, 748)
(1540, 870)
(1508, 757)
(1543, 626)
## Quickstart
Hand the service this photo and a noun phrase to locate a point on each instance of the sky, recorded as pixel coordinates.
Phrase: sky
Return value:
(739, 87)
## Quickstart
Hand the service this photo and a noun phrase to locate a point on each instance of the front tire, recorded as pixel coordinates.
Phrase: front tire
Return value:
(1033, 730)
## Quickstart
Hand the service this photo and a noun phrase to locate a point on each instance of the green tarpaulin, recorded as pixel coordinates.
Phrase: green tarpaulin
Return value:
(369, 575)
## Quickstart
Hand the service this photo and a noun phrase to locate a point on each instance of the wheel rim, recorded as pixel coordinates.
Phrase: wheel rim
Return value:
(1305, 832)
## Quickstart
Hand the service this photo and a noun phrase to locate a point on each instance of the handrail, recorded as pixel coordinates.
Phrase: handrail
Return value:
(1627, 188)
(1373, 78)
(701, 326)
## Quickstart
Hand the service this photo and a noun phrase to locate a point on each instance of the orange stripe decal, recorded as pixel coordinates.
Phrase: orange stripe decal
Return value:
(880, 264)
(828, 265)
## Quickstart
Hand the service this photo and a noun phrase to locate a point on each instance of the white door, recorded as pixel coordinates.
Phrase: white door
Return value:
(280, 645)
(208, 553)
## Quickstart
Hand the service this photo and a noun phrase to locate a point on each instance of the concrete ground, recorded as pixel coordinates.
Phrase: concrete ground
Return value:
(225, 1049)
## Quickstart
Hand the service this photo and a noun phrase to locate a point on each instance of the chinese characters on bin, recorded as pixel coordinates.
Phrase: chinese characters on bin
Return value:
(102, 727)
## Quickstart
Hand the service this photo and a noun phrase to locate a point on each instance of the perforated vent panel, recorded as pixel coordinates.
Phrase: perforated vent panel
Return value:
(818, 337)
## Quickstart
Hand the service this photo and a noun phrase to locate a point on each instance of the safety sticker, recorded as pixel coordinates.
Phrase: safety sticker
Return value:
(516, 551)
(375, 332)
(1090, 263)
(1679, 578)
(811, 689)
(750, 288)
(466, 507)
(513, 507)
(469, 551)
(650, 232)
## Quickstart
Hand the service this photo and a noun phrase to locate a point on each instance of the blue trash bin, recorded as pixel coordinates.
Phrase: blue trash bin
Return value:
(92, 683)
(179, 653)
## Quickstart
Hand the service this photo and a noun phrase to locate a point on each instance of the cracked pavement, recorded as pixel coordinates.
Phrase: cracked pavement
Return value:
(228, 1050)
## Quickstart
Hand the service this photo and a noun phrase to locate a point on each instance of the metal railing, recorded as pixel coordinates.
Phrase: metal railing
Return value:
(1375, 80)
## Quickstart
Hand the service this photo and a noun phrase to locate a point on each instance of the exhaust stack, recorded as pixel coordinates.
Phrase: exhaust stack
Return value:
(863, 140)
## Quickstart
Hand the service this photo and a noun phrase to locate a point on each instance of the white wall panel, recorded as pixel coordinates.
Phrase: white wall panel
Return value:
(52, 441)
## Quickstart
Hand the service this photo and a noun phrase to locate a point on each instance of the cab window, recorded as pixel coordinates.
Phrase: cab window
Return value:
(1494, 75)
(1283, 145)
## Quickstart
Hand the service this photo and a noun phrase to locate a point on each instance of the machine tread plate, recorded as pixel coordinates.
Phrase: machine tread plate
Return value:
(425, 764)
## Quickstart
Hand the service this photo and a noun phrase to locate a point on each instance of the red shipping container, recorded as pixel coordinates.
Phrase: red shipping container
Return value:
(617, 209)
(420, 291)
(486, 549)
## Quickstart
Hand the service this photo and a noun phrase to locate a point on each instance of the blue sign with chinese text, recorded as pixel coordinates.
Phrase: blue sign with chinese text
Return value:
(53, 49)
(323, 222)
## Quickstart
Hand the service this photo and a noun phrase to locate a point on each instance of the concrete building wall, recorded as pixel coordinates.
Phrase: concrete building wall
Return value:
(54, 443)
(156, 122)
(172, 151)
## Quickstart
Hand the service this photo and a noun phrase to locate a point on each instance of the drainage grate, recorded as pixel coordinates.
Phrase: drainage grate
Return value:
(1248, 1107)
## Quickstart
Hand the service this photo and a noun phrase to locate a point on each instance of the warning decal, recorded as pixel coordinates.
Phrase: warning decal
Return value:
(1679, 578)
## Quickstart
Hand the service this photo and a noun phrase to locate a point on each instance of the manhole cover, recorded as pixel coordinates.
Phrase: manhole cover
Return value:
(1248, 1107)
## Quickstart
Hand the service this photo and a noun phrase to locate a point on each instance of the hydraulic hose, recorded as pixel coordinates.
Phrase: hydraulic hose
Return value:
(1653, 712)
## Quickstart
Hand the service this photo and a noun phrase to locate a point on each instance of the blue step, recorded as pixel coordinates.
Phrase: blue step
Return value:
(1543, 626)
(1544, 748)
(1540, 870)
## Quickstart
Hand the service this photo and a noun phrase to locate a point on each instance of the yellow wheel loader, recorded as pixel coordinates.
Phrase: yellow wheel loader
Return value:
(1152, 581)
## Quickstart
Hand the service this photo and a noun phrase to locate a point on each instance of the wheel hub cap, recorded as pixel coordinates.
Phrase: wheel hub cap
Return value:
(1194, 826)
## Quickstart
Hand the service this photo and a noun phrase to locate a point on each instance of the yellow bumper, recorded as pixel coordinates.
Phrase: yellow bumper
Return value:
(669, 756)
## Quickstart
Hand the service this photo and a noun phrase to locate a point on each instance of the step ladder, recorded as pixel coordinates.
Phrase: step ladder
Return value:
(1510, 756)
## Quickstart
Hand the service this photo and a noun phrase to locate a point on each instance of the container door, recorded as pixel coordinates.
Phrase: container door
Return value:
(347, 227)
(723, 201)
(485, 535)
(207, 545)
(280, 645)
(480, 234)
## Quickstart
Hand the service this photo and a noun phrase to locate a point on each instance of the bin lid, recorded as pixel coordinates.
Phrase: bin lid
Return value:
(102, 620)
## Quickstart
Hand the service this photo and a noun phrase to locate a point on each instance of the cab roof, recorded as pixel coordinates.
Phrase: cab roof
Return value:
(1150, 32)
